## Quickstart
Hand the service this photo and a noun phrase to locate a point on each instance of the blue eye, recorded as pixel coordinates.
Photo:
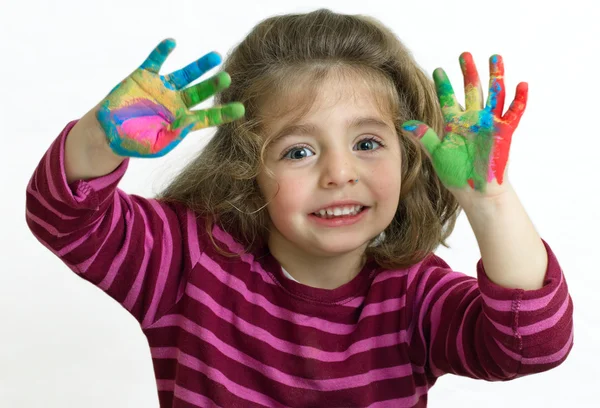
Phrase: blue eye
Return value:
(368, 143)
(301, 152)
(297, 153)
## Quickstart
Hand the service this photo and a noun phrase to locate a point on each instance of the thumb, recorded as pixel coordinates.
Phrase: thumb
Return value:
(423, 133)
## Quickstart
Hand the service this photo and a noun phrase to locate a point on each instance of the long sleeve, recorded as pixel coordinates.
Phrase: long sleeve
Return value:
(475, 328)
(128, 246)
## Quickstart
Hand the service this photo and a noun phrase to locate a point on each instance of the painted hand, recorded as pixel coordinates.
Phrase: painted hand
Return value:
(474, 149)
(148, 114)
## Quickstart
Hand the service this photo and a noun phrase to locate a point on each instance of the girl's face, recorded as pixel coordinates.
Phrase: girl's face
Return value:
(315, 163)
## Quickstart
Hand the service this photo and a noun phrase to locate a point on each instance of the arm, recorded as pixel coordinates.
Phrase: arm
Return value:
(128, 246)
(475, 328)
(513, 253)
(87, 154)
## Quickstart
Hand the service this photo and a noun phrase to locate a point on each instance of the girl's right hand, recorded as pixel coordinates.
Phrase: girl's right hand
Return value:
(148, 114)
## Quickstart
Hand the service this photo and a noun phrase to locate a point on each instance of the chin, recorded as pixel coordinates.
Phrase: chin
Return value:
(337, 248)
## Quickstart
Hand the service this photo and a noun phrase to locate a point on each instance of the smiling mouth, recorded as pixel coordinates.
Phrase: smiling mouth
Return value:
(348, 211)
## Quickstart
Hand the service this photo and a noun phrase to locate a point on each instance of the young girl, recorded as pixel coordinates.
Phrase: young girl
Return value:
(291, 263)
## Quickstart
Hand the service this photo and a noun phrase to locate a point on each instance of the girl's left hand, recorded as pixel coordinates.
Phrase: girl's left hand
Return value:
(471, 157)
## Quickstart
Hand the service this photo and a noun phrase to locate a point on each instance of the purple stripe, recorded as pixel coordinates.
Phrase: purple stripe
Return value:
(525, 305)
(49, 228)
(257, 299)
(548, 359)
(193, 398)
(118, 260)
(459, 338)
(424, 307)
(58, 144)
(278, 376)
(192, 237)
(116, 216)
(404, 402)
(535, 327)
(165, 385)
(435, 317)
(75, 244)
(234, 246)
(247, 258)
(41, 200)
(390, 274)
(136, 288)
(215, 375)
(166, 259)
(284, 346)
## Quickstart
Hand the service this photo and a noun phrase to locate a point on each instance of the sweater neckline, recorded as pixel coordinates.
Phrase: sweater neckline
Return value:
(341, 294)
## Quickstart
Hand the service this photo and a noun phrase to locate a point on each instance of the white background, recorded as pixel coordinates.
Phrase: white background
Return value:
(63, 343)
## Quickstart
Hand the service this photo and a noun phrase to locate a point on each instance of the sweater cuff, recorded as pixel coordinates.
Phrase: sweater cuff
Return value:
(82, 194)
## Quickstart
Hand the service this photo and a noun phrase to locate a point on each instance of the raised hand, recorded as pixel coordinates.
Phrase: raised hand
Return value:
(148, 114)
(475, 147)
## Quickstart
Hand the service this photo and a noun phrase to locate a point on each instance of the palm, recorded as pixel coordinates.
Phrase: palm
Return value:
(475, 146)
(148, 114)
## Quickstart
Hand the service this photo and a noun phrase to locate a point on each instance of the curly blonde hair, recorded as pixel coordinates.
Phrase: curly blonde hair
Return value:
(279, 53)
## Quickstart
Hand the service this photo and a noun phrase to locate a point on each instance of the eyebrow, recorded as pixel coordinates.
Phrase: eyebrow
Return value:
(304, 129)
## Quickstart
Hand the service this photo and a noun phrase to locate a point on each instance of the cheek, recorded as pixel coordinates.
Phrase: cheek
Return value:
(288, 195)
(387, 181)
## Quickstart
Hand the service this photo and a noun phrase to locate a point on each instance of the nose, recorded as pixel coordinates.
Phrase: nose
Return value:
(338, 169)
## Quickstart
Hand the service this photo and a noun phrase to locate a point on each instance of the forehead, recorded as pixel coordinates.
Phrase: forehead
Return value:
(355, 99)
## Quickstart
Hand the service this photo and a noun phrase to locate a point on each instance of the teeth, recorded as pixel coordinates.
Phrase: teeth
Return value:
(339, 211)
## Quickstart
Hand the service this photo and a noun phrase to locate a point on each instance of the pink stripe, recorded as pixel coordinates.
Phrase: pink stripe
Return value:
(548, 359)
(196, 252)
(140, 278)
(192, 237)
(215, 375)
(459, 338)
(193, 398)
(249, 259)
(165, 263)
(436, 314)
(415, 271)
(431, 295)
(118, 260)
(49, 228)
(390, 274)
(365, 345)
(165, 385)
(40, 199)
(257, 299)
(57, 145)
(83, 266)
(526, 305)
(386, 306)
(278, 376)
(75, 244)
(404, 402)
(107, 180)
(535, 327)
(233, 246)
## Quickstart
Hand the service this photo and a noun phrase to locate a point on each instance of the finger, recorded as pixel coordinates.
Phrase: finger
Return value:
(517, 107)
(195, 94)
(497, 92)
(159, 55)
(473, 91)
(217, 115)
(426, 135)
(445, 93)
(188, 74)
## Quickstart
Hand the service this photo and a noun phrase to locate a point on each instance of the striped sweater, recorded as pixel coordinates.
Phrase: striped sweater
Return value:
(235, 332)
